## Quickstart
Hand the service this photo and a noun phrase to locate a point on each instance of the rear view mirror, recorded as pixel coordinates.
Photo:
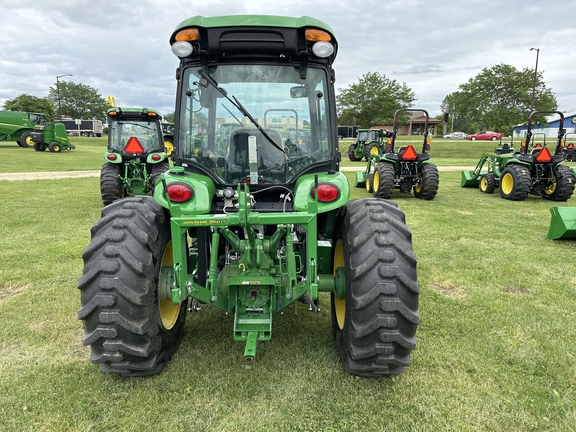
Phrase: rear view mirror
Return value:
(298, 92)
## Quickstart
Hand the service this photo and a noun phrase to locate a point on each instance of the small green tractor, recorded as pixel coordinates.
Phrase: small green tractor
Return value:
(51, 136)
(136, 156)
(569, 150)
(404, 169)
(18, 125)
(253, 226)
(368, 142)
(533, 170)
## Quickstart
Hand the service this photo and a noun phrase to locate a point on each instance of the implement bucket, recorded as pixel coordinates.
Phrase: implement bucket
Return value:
(563, 223)
(469, 179)
(360, 179)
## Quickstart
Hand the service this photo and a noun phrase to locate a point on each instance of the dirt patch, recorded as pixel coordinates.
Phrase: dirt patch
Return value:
(449, 290)
(515, 290)
(8, 291)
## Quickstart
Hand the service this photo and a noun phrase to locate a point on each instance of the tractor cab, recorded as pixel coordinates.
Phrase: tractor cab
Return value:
(134, 132)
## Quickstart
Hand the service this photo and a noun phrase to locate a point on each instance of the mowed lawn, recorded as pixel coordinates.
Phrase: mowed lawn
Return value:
(496, 347)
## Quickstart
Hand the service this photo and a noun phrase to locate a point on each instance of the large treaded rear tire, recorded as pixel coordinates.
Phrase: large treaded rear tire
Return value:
(383, 181)
(429, 180)
(515, 182)
(119, 290)
(351, 154)
(563, 187)
(375, 325)
(156, 171)
(110, 183)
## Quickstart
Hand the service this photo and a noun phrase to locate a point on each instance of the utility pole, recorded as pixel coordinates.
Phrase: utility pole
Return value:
(58, 91)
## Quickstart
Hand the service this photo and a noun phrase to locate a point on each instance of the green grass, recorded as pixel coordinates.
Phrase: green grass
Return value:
(495, 348)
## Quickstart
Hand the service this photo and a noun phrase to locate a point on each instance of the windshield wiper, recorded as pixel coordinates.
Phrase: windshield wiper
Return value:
(240, 108)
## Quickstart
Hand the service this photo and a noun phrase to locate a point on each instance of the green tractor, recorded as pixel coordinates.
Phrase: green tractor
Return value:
(368, 142)
(168, 132)
(51, 136)
(405, 169)
(533, 169)
(252, 227)
(136, 156)
(18, 125)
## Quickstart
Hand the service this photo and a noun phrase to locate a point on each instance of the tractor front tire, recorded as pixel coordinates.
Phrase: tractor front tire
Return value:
(351, 154)
(487, 183)
(515, 183)
(131, 325)
(370, 183)
(55, 147)
(383, 181)
(427, 188)
(562, 185)
(111, 187)
(374, 324)
(25, 140)
(39, 146)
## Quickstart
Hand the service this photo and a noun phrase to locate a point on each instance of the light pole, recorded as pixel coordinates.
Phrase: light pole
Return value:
(58, 91)
(535, 77)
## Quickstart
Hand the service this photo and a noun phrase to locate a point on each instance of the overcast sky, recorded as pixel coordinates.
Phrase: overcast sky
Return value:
(121, 48)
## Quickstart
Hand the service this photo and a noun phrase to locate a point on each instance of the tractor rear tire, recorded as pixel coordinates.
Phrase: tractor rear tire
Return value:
(370, 149)
(563, 186)
(26, 141)
(39, 146)
(515, 183)
(351, 154)
(55, 147)
(157, 170)
(111, 188)
(429, 180)
(487, 183)
(132, 328)
(168, 146)
(384, 178)
(374, 325)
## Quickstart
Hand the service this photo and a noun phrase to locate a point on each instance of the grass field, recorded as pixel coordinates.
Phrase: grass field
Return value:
(496, 347)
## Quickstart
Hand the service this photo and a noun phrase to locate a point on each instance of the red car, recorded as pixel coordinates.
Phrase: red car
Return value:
(485, 135)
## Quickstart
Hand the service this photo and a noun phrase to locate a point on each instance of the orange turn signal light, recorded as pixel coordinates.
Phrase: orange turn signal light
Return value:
(188, 34)
(317, 35)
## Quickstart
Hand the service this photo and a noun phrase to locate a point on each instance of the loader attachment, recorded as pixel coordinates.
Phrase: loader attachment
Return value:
(470, 179)
(562, 224)
(360, 178)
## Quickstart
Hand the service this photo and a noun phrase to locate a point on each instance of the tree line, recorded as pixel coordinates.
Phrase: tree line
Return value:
(497, 99)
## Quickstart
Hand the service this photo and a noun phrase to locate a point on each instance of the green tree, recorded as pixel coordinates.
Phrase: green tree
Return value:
(78, 101)
(170, 117)
(372, 100)
(498, 98)
(29, 103)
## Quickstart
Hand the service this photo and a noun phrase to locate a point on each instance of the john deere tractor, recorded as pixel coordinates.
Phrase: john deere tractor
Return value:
(136, 156)
(253, 226)
(51, 136)
(532, 169)
(404, 169)
(368, 142)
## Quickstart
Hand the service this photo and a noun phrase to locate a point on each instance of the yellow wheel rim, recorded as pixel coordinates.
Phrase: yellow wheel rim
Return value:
(418, 187)
(29, 141)
(367, 184)
(483, 184)
(168, 311)
(339, 304)
(169, 147)
(507, 183)
(376, 181)
(550, 189)
(374, 150)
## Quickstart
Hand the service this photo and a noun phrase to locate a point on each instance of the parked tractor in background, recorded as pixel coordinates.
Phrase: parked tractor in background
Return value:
(253, 226)
(18, 125)
(532, 170)
(368, 141)
(51, 136)
(136, 156)
(569, 152)
(405, 169)
(168, 132)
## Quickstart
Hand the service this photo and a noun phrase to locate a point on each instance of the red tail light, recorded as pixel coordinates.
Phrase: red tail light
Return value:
(409, 153)
(327, 192)
(155, 157)
(133, 146)
(112, 157)
(543, 156)
(179, 192)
